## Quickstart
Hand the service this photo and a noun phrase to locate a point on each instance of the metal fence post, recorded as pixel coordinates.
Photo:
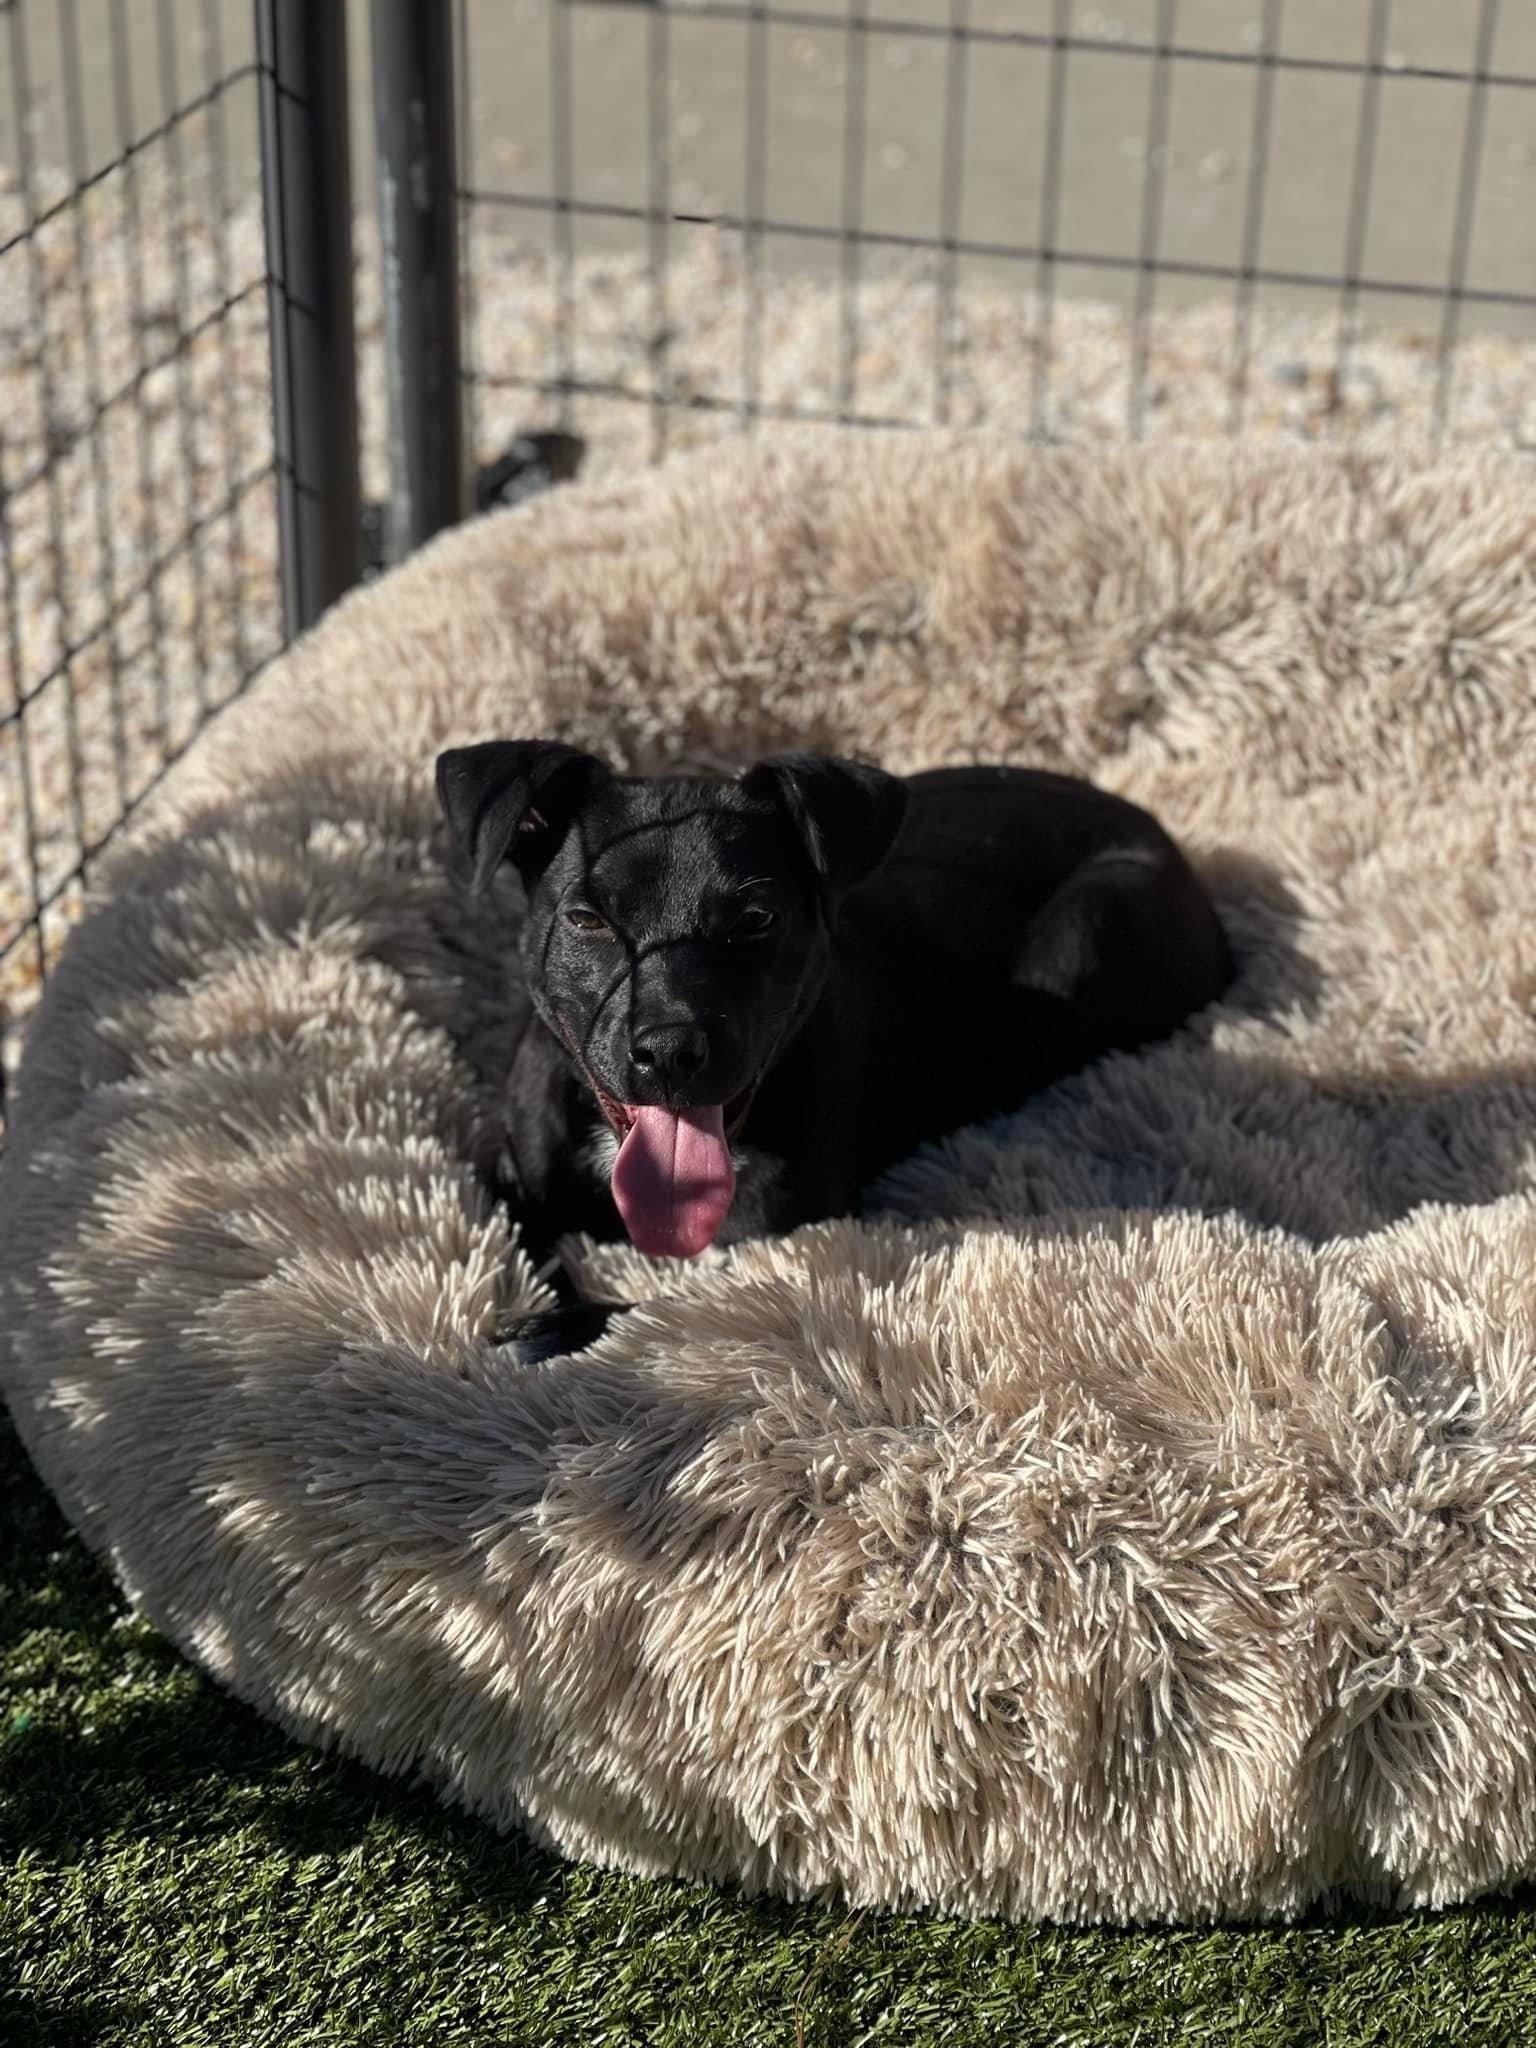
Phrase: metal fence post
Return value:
(418, 234)
(307, 195)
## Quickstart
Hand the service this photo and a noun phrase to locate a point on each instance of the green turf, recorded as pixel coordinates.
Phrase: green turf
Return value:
(175, 1872)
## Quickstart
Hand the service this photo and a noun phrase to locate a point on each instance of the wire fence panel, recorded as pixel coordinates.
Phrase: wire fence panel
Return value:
(138, 564)
(689, 217)
(679, 220)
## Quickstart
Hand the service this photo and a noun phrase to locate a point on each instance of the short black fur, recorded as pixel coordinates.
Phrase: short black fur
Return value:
(852, 963)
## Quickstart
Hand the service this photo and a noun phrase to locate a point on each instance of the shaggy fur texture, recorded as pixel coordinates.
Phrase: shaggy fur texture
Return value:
(1139, 1518)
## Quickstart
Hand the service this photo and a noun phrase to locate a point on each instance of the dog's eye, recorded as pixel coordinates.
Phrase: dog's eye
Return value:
(588, 921)
(754, 921)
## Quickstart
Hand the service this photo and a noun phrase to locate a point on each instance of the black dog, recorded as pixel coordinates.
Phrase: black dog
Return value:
(751, 996)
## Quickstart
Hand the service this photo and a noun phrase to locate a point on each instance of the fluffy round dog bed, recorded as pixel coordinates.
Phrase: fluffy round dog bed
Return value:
(1135, 1514)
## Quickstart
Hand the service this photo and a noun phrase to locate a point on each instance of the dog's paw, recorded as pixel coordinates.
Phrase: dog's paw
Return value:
(555, 1332)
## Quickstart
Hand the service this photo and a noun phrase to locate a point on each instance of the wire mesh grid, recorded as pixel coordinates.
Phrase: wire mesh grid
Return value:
(138, 572)
(688, 218)
(942, 180)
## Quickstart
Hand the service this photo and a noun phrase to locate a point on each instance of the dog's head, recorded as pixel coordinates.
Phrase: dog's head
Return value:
(677, 931)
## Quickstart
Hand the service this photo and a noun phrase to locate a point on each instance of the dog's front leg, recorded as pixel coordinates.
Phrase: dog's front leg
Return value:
(556, 1332)
(550, 1192)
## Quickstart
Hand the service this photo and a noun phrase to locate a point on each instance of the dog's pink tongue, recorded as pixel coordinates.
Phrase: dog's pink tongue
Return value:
(673, 1180)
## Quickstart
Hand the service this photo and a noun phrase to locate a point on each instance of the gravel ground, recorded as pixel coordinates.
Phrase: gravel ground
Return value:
(140, 586)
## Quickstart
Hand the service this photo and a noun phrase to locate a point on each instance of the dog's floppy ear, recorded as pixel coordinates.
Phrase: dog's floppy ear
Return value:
(847, 814)
(505, 792)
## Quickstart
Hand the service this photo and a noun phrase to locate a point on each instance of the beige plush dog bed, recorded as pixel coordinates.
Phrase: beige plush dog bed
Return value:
(1138, 1517)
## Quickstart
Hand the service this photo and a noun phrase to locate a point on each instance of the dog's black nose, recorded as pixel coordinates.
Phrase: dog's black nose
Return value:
(668, 1056)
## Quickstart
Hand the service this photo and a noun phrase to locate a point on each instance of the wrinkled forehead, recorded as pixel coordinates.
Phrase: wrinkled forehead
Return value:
(661, 850)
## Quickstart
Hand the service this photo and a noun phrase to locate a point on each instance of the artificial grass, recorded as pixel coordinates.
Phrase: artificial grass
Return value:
(175, 1873)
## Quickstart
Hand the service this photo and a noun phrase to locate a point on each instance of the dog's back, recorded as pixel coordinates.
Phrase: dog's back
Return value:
(1023, 924)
